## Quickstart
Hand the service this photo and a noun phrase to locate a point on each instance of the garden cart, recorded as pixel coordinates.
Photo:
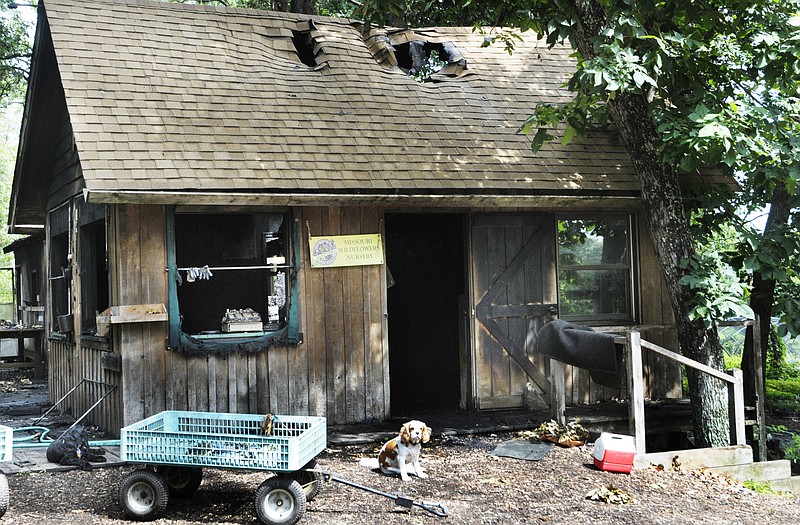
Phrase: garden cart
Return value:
(173, 447)
(6, 451)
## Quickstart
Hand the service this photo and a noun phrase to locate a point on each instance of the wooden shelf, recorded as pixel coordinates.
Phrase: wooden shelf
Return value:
(133, 313)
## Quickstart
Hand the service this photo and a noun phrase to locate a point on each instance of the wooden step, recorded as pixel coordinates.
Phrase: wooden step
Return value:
(759, 471)
(697, 457)
(791, 484)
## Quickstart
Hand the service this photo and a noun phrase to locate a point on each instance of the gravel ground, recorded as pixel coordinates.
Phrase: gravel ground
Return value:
(474, 485)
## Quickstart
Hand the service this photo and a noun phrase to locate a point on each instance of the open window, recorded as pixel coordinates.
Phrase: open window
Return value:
(595, 269)
(60, 267)
(93, 266)
(233, 278)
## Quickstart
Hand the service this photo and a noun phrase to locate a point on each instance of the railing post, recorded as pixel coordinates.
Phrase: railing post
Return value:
(759, 431)
(736, 400)
(558, 394)
(635, 390)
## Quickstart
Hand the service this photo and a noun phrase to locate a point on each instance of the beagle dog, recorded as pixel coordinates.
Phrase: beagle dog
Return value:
(400, 455)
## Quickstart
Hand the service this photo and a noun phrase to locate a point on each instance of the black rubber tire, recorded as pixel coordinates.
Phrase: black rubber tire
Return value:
(3, 494)
(181, 481)
(144, 495)
(280, 500)
(311, 482)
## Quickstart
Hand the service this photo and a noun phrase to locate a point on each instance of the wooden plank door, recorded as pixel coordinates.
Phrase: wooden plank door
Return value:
(513, 295)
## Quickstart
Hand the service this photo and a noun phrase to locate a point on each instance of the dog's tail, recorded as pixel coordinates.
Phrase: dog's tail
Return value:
(369, 462)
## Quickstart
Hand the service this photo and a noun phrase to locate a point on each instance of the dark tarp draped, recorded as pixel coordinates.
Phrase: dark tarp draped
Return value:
(581, 346)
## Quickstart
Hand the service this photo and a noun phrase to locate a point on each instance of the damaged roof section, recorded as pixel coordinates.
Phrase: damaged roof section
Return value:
(419, 54)
(305, 38)
(166, 101)
(296, 41)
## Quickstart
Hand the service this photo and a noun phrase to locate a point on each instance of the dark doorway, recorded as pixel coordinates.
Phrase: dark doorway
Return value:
(425, 257)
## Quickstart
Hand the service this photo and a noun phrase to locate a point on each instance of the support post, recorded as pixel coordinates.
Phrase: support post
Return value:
(736, 402)
(635, 390)
(759, 431)
(558, 394)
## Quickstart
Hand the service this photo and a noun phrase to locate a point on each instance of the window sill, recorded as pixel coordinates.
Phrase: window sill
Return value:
(232, 335)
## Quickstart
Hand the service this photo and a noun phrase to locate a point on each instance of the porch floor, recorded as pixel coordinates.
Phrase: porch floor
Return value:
(661, 417)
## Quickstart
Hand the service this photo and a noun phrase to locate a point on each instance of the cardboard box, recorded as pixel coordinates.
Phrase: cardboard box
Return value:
(254, 326)
(614, 452)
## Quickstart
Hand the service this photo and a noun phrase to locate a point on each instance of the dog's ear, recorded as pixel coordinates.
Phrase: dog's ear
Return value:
(405, 433)
(426, 434)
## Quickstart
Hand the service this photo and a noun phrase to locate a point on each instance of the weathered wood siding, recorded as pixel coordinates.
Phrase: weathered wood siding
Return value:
(81, 367)
(662, 376)
(340, 370)
(344, 322)
(137, 259)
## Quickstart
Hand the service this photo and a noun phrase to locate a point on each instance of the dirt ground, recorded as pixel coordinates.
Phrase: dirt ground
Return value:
(474, 485)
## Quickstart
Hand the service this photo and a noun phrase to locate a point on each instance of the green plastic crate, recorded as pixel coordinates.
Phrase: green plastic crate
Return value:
(6, 443)
(211, 439)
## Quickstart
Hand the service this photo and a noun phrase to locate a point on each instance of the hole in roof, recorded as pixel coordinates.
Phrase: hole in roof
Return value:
(421, 59)
(304, 45)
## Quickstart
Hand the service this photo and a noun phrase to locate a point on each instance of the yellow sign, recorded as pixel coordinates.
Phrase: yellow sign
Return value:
(345, 250)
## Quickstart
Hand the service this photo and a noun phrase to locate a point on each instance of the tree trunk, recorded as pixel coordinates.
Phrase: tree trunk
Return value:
(306, 7)
(669, 230)
(762, 297)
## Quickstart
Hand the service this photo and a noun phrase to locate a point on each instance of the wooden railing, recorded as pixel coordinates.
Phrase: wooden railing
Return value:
(633, 344)
(633, 349)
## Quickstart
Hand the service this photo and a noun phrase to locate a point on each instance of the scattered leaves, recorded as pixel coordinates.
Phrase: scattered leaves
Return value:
(495, 481)
(610, 494)
(570, 435)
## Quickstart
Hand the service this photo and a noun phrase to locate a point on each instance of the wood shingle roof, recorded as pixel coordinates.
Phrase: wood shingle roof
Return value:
(176, 103)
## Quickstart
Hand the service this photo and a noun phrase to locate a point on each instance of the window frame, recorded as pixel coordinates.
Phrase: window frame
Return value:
(631, 266)
(93, 281)
(59, 268)
(288, 332)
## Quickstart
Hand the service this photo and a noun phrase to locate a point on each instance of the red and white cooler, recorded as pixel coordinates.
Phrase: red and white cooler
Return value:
(614, 452)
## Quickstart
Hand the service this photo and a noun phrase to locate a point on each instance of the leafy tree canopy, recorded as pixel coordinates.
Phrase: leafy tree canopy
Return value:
(722, 82)
(14, 53)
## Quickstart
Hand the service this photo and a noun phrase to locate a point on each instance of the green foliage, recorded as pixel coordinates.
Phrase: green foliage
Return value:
(423, 13)
(431, 66)
(14, 54)
(791, 452)
(761, 487)
(717, 292)
(784, 388)
(732, 361)
(783, 394)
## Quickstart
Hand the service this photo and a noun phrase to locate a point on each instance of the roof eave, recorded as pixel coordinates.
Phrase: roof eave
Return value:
(618, 200)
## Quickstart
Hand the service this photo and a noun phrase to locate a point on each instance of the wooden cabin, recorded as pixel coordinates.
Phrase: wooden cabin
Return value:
(260, 212)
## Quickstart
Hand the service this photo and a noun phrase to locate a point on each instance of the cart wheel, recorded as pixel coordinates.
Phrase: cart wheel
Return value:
(280, 500)
(310, 481)
(182, 481)
(144, 494)
(3, 494)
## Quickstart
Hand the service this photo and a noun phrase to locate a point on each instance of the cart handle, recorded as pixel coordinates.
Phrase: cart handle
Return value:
(434, 508)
